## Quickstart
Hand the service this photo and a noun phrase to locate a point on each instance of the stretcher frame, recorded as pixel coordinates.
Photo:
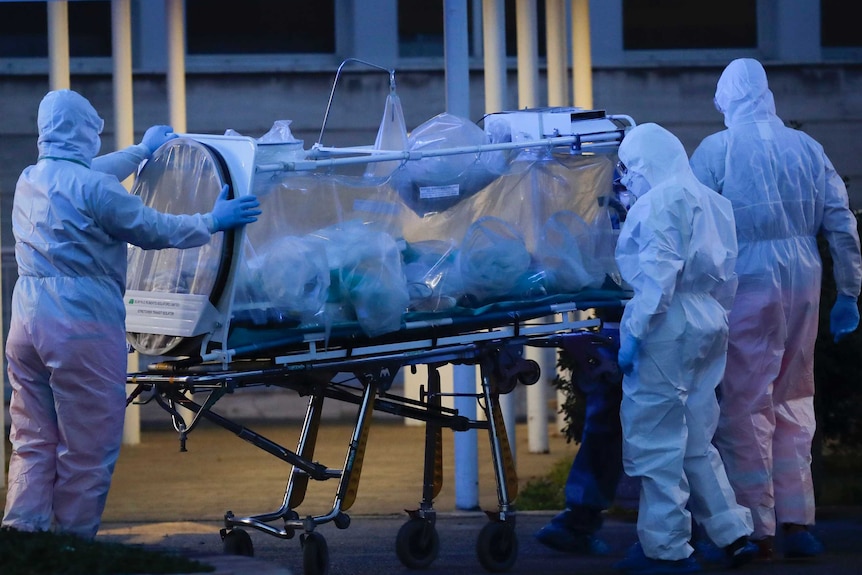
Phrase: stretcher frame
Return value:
(309, 363)
(495, 344)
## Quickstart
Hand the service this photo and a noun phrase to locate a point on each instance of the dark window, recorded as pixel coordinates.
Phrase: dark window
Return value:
(24, 29)
(260, 27)
(837, 27)
(685, 24)
(420, 27)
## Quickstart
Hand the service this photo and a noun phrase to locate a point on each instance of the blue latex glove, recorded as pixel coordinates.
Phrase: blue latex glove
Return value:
(228, 214)
(844, 317)
(155, 136)
(629, 347)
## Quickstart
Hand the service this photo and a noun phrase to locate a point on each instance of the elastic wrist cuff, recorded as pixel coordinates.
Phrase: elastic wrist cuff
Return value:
(211, 223)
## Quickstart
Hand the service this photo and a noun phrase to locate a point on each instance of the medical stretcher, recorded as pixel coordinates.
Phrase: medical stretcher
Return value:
(366, 262)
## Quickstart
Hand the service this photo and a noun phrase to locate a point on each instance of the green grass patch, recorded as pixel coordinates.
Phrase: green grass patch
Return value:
(45, 553)
(546, 493)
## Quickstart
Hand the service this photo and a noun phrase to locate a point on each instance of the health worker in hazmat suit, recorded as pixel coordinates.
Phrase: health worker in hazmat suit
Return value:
(66, 350)
(784, 192)
(677, 250)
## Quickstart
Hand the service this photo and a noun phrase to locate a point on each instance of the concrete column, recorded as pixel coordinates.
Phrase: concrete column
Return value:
(556, 50)
(58, 45)
(537, 398)
(121, 51)
(176, 77)
(494, 54)
(368, 30)
(456, 54)
(124, 136)
(582, 67)
(785, 32)
(528, 54)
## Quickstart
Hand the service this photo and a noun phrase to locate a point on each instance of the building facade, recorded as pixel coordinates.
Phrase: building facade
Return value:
(253, 62)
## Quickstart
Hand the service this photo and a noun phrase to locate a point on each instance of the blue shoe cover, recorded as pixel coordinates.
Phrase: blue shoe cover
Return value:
(801, 544)
(636, 563)
(568, 541)
(737, 556)
(708, 551)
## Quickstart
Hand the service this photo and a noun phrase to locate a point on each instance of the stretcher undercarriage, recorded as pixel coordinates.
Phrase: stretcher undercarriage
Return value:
(314, 373)
(430, 256)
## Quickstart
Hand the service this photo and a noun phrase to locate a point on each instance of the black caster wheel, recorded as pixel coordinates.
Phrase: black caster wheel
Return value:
(417, 544)
(497, 547)
(315, 554)
(342, 521)
(531, 373)
(237, 542)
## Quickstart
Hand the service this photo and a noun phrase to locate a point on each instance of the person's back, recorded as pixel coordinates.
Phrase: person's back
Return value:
(776, 178)
(785, 192)
(66, 348)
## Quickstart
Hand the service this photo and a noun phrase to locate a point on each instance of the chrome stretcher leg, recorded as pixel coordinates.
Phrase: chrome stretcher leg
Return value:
(314, 547)
(497, 545)
(417, 543)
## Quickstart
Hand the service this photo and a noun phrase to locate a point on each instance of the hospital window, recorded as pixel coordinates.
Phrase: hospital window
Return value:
(836, 28)
(24, 29)
(260, 27)
(420, 27)
(684, 24)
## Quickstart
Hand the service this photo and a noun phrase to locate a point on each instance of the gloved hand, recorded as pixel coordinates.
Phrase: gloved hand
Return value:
(629, 347)
(155, 136)
(228, 214)
(844, 317)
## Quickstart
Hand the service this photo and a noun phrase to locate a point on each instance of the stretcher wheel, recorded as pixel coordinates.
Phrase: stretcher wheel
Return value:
(530, 374)
(497, 546)
(315, 554)
(417, 544)
(237, 542)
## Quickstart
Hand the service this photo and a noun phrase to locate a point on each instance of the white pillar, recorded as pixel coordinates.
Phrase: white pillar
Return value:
(466, 442)
(58, 45)
(493, 33)
(582, 66)
(176, 77)
(121, 49)
(528, 54)
(457, 53)
(537, 398)
(458, 103)
(124, 136)
(556, 50)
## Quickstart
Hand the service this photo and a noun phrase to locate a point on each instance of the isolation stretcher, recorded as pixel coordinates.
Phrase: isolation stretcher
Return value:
(368, 261)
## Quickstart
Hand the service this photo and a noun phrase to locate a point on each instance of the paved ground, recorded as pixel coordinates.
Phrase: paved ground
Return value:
(162, 497)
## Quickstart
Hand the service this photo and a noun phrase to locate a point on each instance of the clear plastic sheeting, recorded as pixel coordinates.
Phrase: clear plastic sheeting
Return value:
(333, 250)
(434, 184)
(541, 228)
(391, 136)
(182, 177)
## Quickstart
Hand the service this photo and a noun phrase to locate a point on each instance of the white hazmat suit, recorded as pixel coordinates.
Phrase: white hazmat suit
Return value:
(677, 249)
(66, 349)
(784, 192)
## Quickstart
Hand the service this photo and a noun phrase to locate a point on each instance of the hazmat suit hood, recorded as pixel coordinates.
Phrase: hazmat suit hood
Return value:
(743, 95)
(69, 127)
(655, 154)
